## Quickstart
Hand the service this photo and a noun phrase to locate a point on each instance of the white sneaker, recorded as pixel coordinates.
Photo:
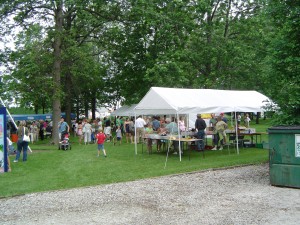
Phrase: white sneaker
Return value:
(15, 160)
(221, 148)
(214, 149)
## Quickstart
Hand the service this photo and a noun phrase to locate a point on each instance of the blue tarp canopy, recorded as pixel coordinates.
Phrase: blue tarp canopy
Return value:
(38, 116)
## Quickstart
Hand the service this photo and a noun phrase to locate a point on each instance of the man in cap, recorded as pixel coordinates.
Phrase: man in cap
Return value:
(223, 118)
(200, 126)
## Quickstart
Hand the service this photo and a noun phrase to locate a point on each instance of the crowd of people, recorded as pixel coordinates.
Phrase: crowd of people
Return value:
(38, 130)
(101, 130)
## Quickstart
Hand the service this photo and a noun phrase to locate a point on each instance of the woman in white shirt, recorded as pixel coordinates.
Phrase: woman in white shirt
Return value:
(87, 131)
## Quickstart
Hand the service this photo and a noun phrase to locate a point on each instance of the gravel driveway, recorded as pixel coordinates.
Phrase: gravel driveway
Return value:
(239, 195)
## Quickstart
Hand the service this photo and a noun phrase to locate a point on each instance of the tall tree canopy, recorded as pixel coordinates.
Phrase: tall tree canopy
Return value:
(284, 59)
(89, 53)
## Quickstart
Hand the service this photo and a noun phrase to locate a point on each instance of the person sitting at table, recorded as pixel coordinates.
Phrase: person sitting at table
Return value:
(155, 123)
(162, 131)
(149, 130)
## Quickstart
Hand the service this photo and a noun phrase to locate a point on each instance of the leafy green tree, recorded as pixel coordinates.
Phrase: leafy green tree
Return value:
(31, 68)
(48, 14)
(284, 59)
(67, 25)
(196, 44)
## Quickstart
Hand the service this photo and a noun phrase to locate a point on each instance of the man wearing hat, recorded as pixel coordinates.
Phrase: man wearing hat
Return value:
(200, 126)
(223, 118)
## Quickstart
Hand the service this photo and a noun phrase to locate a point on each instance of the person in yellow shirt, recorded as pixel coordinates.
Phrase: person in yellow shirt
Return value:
(221, 126)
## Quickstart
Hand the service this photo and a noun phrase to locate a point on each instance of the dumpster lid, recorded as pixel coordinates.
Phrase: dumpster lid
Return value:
(296, 127)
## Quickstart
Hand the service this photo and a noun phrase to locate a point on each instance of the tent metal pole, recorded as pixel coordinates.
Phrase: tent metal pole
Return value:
(237, 135)
(179, 135)
(135, 143)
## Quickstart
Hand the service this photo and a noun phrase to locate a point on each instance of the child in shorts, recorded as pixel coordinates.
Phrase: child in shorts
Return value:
(100, 138)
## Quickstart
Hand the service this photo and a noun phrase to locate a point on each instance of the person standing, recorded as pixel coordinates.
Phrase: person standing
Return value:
(100, 138)
(239, 118)
(34, 132)
(223, 118)
(80, 132)
(132, 130)
(22, 145)
(76, 128)
(247, 120)
(41, 130)
(107, 128)
(171, 127)
(212, 123)
(127, 130)
(140, 124)
(87, 132)
(119, 134)
(221, 126)
(100, 124)
(200, 126)
(181, 124)
(95, 128)
(63, 128)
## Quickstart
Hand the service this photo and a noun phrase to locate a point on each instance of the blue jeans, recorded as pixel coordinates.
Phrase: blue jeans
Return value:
(22, 145)
(201, 135)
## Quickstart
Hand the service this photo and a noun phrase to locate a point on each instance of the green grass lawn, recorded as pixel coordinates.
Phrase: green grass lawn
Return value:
(48, 168)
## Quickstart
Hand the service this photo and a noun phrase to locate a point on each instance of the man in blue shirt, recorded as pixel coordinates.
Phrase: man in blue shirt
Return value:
(155, 124)
(63, 128)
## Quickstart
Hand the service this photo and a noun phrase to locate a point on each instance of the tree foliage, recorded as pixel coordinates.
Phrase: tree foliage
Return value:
(284, 59)
(90, 53)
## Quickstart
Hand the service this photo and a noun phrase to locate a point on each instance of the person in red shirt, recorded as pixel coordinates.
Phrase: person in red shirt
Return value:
(100, 138)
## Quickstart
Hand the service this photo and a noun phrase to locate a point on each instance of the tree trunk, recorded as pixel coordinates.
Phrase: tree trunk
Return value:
(257, 117)
(68, 97)
(227, 19)
(56, 104)
(93, 107)
(77, 109)
(86, 108)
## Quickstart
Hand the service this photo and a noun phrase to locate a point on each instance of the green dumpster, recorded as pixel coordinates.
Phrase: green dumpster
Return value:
(284, 156)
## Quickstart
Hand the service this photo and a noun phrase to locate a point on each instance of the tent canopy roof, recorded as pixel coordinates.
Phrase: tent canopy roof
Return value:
(177, 100)
(124, 111)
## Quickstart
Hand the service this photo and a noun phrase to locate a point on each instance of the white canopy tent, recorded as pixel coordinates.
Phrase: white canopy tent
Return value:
(125, 110)
(162, 101)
